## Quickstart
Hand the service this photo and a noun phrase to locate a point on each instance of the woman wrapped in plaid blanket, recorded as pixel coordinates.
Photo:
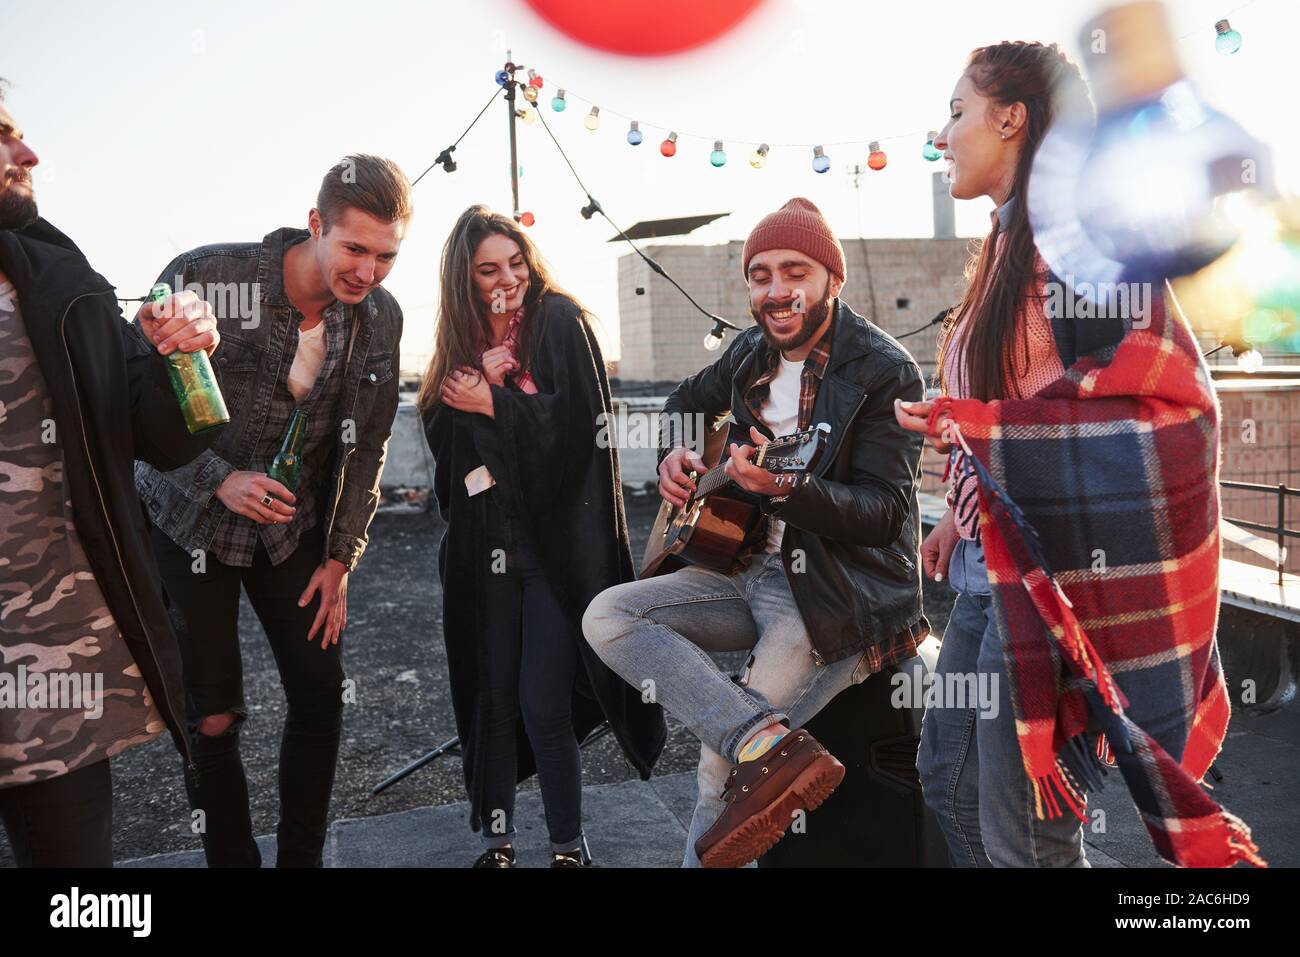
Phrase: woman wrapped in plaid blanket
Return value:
(1087, 569)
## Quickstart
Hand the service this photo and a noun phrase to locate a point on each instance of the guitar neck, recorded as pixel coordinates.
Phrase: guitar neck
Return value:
(712, 480)
(716, 477)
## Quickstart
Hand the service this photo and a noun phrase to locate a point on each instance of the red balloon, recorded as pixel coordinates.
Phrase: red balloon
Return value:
(643, 28)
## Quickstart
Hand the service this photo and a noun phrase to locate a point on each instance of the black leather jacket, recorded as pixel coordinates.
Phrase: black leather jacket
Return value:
(852, 532)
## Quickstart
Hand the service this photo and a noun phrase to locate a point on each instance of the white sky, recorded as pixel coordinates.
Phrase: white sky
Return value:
(164, 126)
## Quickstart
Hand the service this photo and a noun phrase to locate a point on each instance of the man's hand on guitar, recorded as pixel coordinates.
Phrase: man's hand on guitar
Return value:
(750, 477)
(675, 485)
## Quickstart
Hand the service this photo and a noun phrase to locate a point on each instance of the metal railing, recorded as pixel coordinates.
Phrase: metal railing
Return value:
(1279, 530)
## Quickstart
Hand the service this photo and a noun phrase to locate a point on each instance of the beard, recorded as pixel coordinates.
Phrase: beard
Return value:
(17, 210)
(812, 321)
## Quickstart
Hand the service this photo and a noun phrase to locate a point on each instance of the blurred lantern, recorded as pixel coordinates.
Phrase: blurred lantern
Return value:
(1226, 39)
(525, 219)
(821, 162)
(876, 158)
(592, 119)
(1132, 197)
(758, 158)
(718, 157)
(557, 102)
(669, 146)
(530, 94)
(1251, 295)
(644, 29)
(929, 152)
(534, 80)
(634, 134)
(502, 77)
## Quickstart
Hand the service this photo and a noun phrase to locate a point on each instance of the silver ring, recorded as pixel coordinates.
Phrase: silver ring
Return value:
(267, 500)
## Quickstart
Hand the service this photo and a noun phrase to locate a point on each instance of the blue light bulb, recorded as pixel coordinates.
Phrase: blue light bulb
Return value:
(1226, 40)
(502, 77)
(718, 157)
(634, 134)
(821, 162)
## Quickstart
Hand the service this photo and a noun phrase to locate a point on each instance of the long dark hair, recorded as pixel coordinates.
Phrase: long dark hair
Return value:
(1043, 79)
(462, 325)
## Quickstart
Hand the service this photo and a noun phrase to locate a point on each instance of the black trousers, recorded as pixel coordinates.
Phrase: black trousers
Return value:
(532, 657)
(205, 613)
(64, 821)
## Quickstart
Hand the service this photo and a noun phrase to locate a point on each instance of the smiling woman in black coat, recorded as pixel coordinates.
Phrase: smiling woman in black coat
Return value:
(512, 404)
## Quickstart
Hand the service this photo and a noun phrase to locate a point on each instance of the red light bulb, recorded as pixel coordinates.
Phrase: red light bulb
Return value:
(669, 146)
(876, 159)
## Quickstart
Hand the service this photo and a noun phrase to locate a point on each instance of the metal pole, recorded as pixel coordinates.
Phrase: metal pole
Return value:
(514, 157)
(1281, 529)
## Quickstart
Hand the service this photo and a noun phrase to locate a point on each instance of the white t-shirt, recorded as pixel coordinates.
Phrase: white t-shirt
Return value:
(307, 360)
(780, 413)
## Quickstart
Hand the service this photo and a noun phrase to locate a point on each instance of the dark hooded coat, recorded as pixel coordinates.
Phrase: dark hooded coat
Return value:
(543, 452)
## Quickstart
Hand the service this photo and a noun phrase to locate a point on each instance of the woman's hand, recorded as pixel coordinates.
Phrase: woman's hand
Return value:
(468, 390)
(915, 417)
(937, 547)
(497, 364)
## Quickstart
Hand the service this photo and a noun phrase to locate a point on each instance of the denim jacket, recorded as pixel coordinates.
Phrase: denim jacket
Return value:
(244, 283)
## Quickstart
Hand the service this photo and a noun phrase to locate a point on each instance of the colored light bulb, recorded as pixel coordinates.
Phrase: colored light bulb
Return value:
(528, 116)
(534, 80)
(634, 134)
(525, 219)
(557, 102)
(530, 94)
(876, 158)
(718, 157)
(502, 77)
(592, 120)
(758, 159)
(669, 146)
(1226, 40)
(929, 151)
(821, 162)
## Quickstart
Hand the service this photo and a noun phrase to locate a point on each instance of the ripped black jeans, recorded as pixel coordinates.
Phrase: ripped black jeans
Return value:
(204, 609)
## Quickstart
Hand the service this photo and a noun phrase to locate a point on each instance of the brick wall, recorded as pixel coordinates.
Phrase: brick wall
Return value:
(899, 284)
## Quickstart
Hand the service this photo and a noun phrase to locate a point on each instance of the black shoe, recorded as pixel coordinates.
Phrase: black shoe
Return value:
(496, 857)
(579, 858)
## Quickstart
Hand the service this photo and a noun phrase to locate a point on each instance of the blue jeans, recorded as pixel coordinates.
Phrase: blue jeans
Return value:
(658, 634)
(532, 663)
(971, 771)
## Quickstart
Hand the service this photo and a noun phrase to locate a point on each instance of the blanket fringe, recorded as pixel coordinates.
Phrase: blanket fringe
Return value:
(1240, 845)
(1047, 787)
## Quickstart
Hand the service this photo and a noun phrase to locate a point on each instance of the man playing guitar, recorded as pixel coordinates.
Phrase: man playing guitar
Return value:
(828, 590)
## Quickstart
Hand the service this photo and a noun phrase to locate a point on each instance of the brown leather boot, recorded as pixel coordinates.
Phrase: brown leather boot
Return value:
(762, 795)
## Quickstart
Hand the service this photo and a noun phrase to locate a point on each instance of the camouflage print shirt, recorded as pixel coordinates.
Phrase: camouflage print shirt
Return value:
(70, 692)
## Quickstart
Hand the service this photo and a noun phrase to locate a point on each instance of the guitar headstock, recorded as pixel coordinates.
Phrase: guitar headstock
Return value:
(794, 453)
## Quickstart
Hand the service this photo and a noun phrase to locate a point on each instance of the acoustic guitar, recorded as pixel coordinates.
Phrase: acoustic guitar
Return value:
(713, 525)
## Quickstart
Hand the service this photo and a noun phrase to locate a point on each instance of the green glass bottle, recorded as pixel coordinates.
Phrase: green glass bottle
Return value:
(287, 464)
(192, 380)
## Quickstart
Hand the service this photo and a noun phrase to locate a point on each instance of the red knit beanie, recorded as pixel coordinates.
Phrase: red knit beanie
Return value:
(797, 225)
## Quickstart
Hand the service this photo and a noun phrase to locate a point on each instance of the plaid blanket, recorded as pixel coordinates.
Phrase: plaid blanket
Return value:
(1099, 509)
